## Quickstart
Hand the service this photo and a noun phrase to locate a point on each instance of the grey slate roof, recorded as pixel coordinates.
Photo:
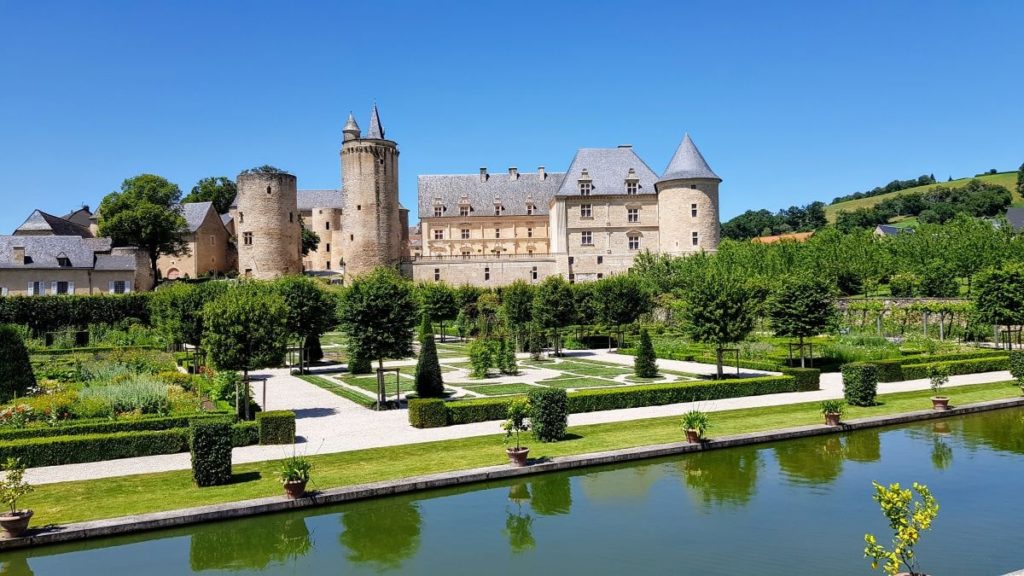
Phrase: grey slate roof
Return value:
(41, 222)
(513, 193)
(376, 130)
(225, 219)
(195, 213)
(310, 199)
(889, 230)
(115, 262)
(608, 169)
(1015, 216)
(688, 163)
(44, 250)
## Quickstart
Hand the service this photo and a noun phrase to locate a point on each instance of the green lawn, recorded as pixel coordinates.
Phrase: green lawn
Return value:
(334, 388)
(499, 389)
(111, 497)
(582, 382)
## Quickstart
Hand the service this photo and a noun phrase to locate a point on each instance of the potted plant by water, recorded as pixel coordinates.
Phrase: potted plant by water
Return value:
(833, 411)
(939, 376)
(518, 410)
(294, 474)
(695, 423)
(12, 487)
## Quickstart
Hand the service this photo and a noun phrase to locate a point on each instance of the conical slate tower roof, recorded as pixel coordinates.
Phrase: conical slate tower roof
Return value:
(688, 163)
(350, 124)
(376, 130)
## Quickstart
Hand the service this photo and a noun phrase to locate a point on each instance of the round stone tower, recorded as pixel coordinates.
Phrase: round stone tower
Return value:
(370, 221)
(688, 203)
(267, 228)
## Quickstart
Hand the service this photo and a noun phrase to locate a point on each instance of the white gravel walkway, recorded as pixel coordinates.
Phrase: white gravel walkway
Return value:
(326, 423)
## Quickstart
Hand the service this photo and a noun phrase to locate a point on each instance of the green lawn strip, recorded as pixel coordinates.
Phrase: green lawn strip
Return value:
(584, 382)
(326, 384)
(90, 499)
(498, 389)
(562, 376)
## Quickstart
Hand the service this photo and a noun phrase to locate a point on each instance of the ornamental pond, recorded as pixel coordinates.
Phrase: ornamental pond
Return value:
(798, 507)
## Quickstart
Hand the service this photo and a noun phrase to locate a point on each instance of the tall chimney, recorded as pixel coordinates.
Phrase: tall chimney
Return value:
(483, 174)
(513, 173)
(540, 173)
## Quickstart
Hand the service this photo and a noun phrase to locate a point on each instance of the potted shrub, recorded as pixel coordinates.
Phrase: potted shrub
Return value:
(833, 411)
(939, 376)
(518, 411)
(695, 423)
(12, 487)
(294, 475)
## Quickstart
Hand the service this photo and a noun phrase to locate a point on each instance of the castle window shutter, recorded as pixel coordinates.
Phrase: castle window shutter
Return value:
(71, 287)
(53, 287)
(31, 289)
(127, 286)
(110, 287)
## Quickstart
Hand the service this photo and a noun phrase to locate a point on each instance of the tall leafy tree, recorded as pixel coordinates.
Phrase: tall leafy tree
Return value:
(999, 297)
(219, 190)
(146, 213)
(310, 310)
(620, 300)
(177, 310)
(802, 306)
(437, 300)
(517, 309)
(553, 307)
(716, 310)
(246, 329)
(378, 314)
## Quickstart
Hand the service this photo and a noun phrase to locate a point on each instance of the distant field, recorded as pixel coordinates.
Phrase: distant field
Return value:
(1008, 179)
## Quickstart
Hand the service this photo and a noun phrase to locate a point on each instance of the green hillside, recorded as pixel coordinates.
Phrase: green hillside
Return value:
(1006, 179)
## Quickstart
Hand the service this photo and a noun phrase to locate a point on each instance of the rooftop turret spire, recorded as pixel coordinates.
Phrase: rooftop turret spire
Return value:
(376, 130)
(688, 163)
(351, 129)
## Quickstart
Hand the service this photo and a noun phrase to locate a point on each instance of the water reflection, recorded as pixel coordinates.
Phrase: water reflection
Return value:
(864, 446)
(1001, 429)
(274, 538)
(814, 461)
(723, 476)
(16, 567)
(519, 524)
(381, 532)
(552, 495)
(942, 454)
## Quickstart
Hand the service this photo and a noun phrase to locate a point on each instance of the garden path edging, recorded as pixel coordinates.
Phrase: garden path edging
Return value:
(175, 518)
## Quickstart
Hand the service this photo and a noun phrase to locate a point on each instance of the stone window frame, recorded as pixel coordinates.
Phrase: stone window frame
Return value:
(632, 187)
(438, 211)
(530, 207)
(327, 247)
(437, 274)
(533, 273)
(487, 273)
(465, 233)
(327, 225)
(633, 240)
(586, 211)
(586, 238)
(464, 210)
(247, 238)
(586, 187)
(62, 287)
(497, 233)
(529, 232)
(695, 238)
(438, 234)
(693, 210)
(632, 215)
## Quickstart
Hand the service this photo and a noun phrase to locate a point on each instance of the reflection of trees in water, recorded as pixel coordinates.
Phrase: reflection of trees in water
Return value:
(722, 476)
(519, 524)
(253, 544)
(817, 460)
(621, 484)
(942, 454)
(552, 495)
(381, 532)
(864, 446)
(16, 567)
(999, 429)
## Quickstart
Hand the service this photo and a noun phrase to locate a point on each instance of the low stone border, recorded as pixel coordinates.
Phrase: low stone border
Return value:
(175, 518)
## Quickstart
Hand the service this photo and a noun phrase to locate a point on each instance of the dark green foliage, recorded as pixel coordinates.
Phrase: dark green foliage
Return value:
(16, 375)
(429, 380)
(860, 383)
(904, 285)
(245, 433)
(549, 413)
(617, 301)
(482, 357)
(753, 223)
(553, 307)
(437, 300)
(210, 445)
(477, 410)
(506, 359)
(378, 314)
(717, 308)
(314, 352)
(1017, 362)
(807, 379)
(276, 427)
(310, 311)
(517, 308)
(427, 413)
(956, 367)
(889, 370)
(177, 309)
(999, 296)
(939, 281)
(358, 362)
(49, 313)
(310, 240)
(801, 307)
(220, 190)
(644, 364)
(107, 426)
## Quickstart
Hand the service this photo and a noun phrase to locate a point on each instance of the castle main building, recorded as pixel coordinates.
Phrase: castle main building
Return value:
(586, 223)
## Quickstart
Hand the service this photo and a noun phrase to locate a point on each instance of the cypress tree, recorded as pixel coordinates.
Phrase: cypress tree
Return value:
(507, 357)
(429, 383)
(644, 365)
(16, 375)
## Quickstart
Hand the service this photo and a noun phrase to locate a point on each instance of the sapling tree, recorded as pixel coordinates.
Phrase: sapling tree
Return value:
(553, 307)
(908, 518)
(437, 300)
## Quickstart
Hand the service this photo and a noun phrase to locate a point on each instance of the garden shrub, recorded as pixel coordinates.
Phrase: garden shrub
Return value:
(860, 383)
(141, 393)
(1017, 364)
(107, 426)
(889, 370)
(210, 445)
(245, 433)
(60, 450)
(427, 413)
(904, 285)
(506, 357)
(549, 413)
(481, 357)
(806, 379)
(175, 378)
(956, 367)
(16, 375)
(477, 410)
(429, 381)
(52, 313)
(276, 427)
(644, 365)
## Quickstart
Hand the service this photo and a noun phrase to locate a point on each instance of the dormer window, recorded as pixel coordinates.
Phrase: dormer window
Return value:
(497, 209)
(438, 210)
(632, 183)
(529, 209)
(63, 262)
(585, 187)
(464, 210)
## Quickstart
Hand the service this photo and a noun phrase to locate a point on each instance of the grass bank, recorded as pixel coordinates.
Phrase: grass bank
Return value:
(67, 502)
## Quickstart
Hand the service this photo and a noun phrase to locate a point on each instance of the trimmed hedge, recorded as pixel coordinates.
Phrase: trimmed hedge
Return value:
(975, 366)
(16, 375)
(910, 367)
(428, 413)
(106, 426)
(245, 433)
(549, 413)
(482, 410)
(210, 445)
(889, 370)
(1017, 364)
(807, 379)
(860, 383)
(50, 313)
(90, 350)
(276, 427)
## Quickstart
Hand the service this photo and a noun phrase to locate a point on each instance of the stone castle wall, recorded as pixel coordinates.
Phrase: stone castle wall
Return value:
(484, 271)
(267, 226)
(370, 220)
(677, 200)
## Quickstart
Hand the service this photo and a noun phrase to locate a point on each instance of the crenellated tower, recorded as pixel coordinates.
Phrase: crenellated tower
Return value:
(371, 220)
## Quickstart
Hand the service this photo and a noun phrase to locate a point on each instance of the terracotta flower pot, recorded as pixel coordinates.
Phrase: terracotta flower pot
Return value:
(295, 489)
(693, 436)
(832, 418)
(940, 403)
(517, 456)
(14, 525)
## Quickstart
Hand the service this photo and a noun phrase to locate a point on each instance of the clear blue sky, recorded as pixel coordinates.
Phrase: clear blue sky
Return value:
(789, 101)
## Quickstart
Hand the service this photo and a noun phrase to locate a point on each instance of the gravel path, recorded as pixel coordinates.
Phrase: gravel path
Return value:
(326, 423)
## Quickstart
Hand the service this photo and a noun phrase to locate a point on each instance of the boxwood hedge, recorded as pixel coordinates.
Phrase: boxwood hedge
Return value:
(974, 366)
(549, 413)
(807, 379)
(860, 383)
(428, 413)
(276, 427)
(210, 445)
(48, 313)
(107, 426)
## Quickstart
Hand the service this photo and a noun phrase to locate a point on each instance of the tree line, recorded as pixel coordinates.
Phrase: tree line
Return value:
(938, 205)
